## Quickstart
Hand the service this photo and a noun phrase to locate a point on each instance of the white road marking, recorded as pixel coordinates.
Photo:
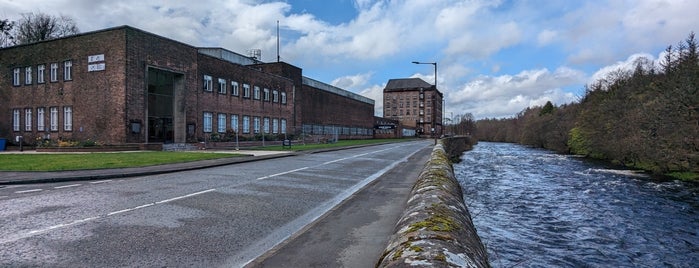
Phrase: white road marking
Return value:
(29, 191)
(97, 182)
(66, 186)
(282, 173)
(62, 225)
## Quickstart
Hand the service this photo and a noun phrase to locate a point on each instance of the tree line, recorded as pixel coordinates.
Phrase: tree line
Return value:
(35, 27)
(646, 118)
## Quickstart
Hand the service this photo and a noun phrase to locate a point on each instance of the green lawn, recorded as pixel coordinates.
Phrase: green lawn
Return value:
(58, 162)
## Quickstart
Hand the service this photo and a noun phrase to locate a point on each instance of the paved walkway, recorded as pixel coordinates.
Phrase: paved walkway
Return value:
(21, 177)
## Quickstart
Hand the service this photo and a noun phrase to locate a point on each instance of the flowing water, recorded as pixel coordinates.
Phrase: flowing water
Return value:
(534, 208)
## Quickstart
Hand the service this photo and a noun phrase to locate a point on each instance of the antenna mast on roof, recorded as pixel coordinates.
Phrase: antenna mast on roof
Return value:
(277, 40)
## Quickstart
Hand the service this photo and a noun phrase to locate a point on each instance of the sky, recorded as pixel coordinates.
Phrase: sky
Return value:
(494, 58)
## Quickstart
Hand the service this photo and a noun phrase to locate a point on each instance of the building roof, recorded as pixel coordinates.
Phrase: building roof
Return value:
(402, 84)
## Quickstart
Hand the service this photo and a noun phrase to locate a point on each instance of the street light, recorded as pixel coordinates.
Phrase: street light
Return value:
(435, 70)
(435, 88)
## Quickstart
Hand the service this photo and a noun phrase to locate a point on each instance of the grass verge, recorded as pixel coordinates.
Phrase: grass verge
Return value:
(62, 162)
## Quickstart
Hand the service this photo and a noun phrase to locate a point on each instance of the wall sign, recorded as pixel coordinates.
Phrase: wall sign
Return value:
(95, 63)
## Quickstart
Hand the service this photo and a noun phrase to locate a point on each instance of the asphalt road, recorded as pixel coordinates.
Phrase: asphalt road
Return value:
(218, 217)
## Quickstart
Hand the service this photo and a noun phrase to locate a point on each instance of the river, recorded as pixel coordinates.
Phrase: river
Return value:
(535, 208)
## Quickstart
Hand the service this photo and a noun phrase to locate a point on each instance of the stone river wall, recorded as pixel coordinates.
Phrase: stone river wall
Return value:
(436, 227)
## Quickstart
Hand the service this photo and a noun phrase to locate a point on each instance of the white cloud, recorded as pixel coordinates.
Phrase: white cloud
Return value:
(376, 93)
(506, 95)
(351, 81)
(546, 37)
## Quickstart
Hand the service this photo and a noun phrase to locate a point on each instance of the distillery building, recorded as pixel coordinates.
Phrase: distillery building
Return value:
(124, 85)
(414, 103)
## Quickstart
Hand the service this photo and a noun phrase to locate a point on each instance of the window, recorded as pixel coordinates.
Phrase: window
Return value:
(234, 122)
(283, 97)
(246, 124)
(208, 125)
(68, 118)
(54, 118)
(283, 126)
(266, 95)
(275, 96)
(222, 86)
(234, 88)
(208, 83)
(28, 119)
(265, 125)
(246, 91)
(275, 126)
(15, 77)
(256, 93)
(28, 75)
(256, 124)
(40, 123)
(15, 120)
(40, 73)
(221, 123)
(54, 72)
(67, 70)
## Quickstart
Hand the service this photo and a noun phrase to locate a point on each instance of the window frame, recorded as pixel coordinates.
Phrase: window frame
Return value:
(28, 119)
(68, 70)
(16, 79)
(234, 122)
(222, 86)
(53, 118)
(16, 120)
(67, 118)
(275, 125)
(246, 124)
(265, 125)
(40, 73)
(28, 75)
(221, 123)
(208, 83)
(256, 92)
(265, 94)
(53, 72)
(256, 125)
(40, 119)
(207, 123)
(235, 90)
(283, 97)
(246, 91)
(282, 125)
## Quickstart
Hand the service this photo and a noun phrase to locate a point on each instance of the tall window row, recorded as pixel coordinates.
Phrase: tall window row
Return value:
(257, 93)
(250, 124)
(27, 117)
(29, 74)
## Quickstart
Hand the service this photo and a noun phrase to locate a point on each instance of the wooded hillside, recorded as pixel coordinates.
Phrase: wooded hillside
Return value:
(646, 118)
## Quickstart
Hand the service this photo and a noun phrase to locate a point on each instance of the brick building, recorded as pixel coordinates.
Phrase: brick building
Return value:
(124, 85)
(415, 104)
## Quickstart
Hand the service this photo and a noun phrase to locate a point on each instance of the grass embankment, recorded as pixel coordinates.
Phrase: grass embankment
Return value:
(62, 162)
(316, 146)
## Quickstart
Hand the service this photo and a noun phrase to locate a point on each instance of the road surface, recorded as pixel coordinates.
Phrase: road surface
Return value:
(218, 217)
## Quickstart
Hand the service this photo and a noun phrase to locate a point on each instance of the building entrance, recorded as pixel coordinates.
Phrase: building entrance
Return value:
(161, 87)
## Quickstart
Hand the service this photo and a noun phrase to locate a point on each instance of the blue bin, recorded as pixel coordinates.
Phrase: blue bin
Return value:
(3, 143)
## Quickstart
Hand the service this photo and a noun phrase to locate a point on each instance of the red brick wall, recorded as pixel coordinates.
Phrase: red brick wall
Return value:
(96, 98)
(212, 101)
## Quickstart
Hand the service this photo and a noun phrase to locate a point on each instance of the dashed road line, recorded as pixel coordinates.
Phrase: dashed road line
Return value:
(98, 182)
(29, 191)
(66, 186)
(62, 225)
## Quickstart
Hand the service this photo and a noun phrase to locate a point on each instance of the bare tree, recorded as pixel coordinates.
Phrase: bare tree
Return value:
(34, 27)
(6, 38)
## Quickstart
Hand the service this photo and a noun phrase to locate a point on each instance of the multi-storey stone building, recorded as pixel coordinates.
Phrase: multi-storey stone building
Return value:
(124, 85)
(415, 104)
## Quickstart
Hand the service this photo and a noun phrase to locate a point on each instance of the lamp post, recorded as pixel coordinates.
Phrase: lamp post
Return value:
(434, 124)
